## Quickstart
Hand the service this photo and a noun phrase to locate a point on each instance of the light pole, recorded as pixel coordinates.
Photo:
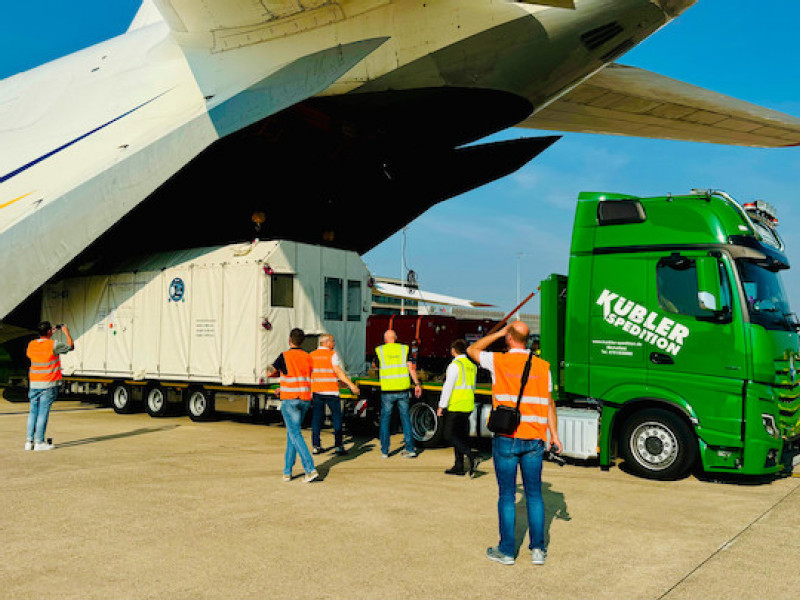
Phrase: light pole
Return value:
(403, 271)
(519, 256)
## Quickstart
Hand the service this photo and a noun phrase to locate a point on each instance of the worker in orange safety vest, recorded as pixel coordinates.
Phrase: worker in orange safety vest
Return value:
(43, 378)
(295, 367)
(325, 380)
(525, 447)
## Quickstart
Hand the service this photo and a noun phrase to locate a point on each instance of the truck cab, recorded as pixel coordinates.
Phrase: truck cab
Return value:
(673, 327)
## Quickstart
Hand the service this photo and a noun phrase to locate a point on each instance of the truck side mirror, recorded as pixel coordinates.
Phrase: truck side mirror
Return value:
(709, 288)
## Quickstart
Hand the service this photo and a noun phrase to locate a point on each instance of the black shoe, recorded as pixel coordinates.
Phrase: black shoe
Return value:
(455, 471)
(316, 450)
(474, 461)
(340, 451)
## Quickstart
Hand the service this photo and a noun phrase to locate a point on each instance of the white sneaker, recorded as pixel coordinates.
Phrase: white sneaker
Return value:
(37, 447)
(538, 556)
(28, 445)
(407, 454)
(310, 476)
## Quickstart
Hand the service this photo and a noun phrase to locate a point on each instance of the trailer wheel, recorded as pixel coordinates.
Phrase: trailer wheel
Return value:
(657, 444)
(199, 404)
(122, 398)
(155, 402)
(426, 426)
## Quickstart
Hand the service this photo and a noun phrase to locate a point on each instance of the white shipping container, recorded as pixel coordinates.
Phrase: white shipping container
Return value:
(213, 315)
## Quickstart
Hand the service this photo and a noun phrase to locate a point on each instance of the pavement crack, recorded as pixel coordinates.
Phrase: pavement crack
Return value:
(728, 543)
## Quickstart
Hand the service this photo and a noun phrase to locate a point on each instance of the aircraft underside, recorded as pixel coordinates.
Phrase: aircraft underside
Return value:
(339, 171)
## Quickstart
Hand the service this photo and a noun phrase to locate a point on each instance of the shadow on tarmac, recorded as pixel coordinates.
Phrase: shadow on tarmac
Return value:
(360, 447)
(115, 436)
(723, 478)
(555, 507)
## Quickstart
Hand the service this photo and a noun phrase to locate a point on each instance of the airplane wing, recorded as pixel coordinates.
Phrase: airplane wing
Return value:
(399, 291)
(622, 100)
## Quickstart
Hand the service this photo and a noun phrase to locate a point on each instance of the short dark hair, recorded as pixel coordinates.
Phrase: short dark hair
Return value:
(44, 328)
(460, 346)
(297, 336)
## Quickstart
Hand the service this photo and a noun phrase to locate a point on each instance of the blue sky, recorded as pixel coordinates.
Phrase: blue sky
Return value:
(469, 246)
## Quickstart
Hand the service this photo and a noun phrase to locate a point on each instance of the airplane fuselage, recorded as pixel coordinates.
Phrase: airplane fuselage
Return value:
(89, 137)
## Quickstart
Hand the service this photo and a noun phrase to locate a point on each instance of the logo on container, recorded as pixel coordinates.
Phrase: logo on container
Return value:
(177, 289)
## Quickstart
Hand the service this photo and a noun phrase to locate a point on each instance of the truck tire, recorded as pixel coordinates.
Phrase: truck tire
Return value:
(199, 404)
(155, 401)
(658, 444)
(426, 426)
(121, 397)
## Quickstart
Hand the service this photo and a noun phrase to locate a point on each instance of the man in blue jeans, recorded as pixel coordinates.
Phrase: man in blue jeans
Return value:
(396, 371)
(295, 367)
(524, 448)
(43, 378)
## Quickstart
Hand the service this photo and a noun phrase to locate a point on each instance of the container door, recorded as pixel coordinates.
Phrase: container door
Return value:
(119, 324)
(695, 353)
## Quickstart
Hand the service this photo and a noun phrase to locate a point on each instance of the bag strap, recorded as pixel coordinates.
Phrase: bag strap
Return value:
(525, 373)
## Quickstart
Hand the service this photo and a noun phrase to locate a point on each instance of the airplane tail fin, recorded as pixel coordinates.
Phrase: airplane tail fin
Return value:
(147, 15)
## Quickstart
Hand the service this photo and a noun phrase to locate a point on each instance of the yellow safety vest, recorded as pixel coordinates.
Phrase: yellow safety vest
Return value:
(462, 399)
(393, 367)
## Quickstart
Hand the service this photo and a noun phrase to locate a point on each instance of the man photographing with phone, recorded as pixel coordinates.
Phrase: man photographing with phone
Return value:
(44, 377)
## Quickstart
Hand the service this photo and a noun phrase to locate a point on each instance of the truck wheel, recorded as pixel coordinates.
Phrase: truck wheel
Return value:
(657, 444)
(199, 404)
(426, 426)
(122, 398)
(155, 401)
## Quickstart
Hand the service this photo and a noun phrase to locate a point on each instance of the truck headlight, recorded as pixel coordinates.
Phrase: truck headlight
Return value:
(770, 426)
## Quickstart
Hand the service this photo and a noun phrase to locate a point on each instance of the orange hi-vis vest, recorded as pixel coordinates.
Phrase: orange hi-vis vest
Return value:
(45, 366)
(533, 407)
(296, 383)
(323, 378)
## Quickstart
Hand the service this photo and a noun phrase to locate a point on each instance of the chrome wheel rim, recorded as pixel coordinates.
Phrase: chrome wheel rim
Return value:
(654, 446)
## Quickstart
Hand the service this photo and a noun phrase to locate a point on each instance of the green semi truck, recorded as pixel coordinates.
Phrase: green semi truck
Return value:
(671, 342)
(674, 329)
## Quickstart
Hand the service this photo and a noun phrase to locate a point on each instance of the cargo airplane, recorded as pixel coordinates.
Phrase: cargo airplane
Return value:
(324, 121)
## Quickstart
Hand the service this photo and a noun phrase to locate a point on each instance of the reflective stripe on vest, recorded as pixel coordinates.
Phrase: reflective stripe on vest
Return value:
(45, 366)
(323, 378)
(296, 383)
(462, 399)
(535, 401)
(392, 360)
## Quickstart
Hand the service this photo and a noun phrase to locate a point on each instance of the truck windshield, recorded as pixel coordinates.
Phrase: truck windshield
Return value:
(766, 299)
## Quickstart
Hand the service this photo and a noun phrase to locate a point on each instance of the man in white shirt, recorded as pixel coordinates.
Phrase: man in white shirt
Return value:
(458, 399)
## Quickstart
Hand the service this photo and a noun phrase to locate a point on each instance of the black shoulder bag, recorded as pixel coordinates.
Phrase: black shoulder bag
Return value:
(504, 419)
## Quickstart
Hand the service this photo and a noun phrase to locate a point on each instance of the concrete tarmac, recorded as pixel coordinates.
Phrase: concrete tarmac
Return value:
(128, 506)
